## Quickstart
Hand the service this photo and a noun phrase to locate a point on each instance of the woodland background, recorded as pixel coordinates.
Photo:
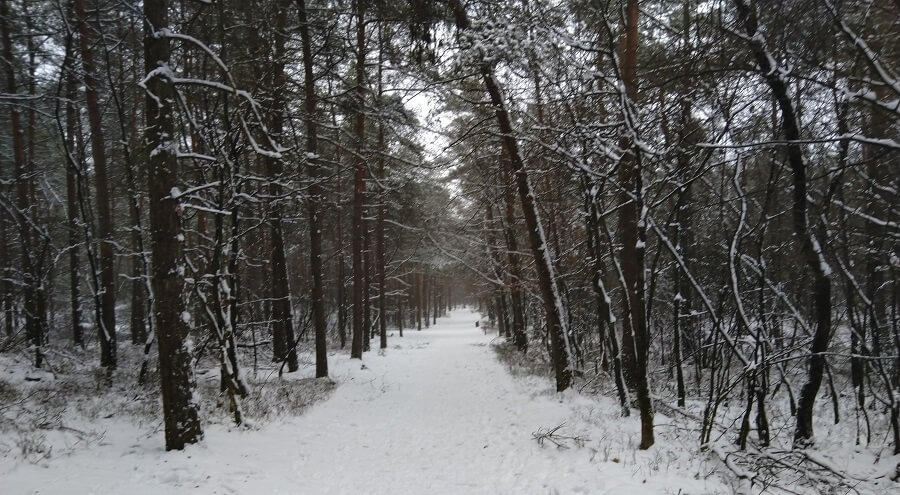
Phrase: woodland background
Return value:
(698, 196)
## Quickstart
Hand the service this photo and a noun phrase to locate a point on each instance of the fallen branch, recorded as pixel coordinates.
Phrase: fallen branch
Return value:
(554, 436)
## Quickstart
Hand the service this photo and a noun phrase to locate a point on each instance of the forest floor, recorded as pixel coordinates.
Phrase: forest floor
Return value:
(436, 413)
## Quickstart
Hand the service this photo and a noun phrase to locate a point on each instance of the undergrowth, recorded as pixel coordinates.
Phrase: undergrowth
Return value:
(520, 364)
(46, 414)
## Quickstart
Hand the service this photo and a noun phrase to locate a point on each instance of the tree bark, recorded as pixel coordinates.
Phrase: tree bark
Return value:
(341, 292)
(180, 412)
(367, 278)
(379, 221)
(107, 310)
(520, 338)
(284, 345)
(72, 195)
(606, 323)
(33, 286)
(419, 295)
(316, 195)
(635, 337)
(359, 183)
(496, 264)
(426, 298)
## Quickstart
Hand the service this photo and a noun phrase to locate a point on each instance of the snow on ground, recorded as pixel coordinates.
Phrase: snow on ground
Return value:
(436, 413)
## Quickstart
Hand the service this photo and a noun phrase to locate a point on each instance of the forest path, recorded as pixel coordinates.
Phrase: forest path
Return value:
(436, 413)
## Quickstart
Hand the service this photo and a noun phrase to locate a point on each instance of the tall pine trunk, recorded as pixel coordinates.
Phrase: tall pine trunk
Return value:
(180, 412)
(72, 195)
(284, 346)
(359, 183)
(520, 338)
(32, 286)
(107, 310)
(635, 336)
(379, 221)
(316, 195)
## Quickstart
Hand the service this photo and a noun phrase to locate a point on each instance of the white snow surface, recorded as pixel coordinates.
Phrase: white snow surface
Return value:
(437, 413)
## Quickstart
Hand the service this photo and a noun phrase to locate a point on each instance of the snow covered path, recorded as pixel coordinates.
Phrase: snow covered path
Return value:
(436, 414)
(441, 416)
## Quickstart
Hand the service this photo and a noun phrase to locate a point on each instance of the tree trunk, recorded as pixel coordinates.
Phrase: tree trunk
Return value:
(520, 338)
(341, 289)
(6, 292)
(140, 265)
(493, 252)
(316, 195)
(606, 320)
(436, 299)
(681, 235)
(72, 195)
(41, 275)
(107, 313)
(419, 295)
(635, 337)
(140, 294)
(32, 278)
(180, 412)
(367, 278)
(359, 183)
(341, 283)
(809, 247)
(284, 346)
(379, 222)
(400, 323)
(426, 298)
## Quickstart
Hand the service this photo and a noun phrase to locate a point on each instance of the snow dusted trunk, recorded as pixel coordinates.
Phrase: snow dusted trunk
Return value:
(400, 323)
(635, 336)
(380, 268)
(72, 195)
(809, 248)
(876, 288)
(379, 222)
(681, 232)
(180, 411)
(436, 290)
(284, 345)
(606, 320)
(141, 302)
(359, 183)
(493, 250)
(42, 279)
(316, 195)
(367, 277)
(423, 278)
(6, 294)
(220, 311)
(419, 294)
(340, 268)
(140, 265)
(559, 345)
(33, 292)
(107, 310)
(6, 222)
(515, 291)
